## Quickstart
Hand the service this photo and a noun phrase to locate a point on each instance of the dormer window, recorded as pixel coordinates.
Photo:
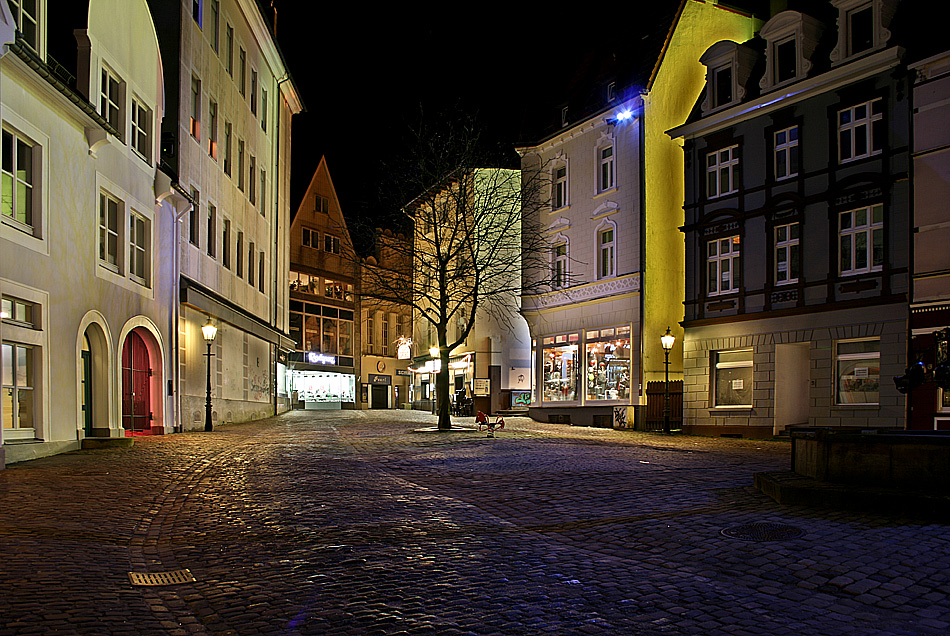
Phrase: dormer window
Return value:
(860, 30)
(728, 66)
(791, 40)
(722, 87)
(862, 27)
(786, 60)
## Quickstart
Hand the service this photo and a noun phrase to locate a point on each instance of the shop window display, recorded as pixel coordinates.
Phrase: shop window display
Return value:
(608, 364)
(560, 368)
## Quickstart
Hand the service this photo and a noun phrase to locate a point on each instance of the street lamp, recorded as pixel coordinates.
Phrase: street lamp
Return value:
(434, 354)
(209, 331)
(667, 340)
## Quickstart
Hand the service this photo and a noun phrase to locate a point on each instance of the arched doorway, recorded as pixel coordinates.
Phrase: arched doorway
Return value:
(86, 383)
(136, 393)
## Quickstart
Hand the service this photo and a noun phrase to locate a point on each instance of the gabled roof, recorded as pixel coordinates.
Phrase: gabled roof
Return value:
(322, 184)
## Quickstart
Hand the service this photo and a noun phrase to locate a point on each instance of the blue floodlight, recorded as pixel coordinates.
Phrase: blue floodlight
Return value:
(624, 115)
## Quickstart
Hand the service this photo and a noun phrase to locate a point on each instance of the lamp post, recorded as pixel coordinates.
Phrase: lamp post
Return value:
(209, 331)
(434, 354)
(667, 341)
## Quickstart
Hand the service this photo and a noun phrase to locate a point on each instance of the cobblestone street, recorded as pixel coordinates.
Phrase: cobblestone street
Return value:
(350, 523)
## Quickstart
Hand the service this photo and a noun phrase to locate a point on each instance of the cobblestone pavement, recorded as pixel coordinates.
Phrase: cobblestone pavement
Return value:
(350, 523)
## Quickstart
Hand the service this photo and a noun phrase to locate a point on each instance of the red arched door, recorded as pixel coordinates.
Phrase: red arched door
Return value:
(136, 373)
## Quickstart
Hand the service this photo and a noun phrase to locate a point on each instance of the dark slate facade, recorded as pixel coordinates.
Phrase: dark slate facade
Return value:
(797, 220)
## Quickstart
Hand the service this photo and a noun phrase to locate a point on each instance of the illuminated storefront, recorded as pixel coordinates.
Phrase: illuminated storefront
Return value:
(608, 363)
(559, 356)
(576, 369)
(317, 380)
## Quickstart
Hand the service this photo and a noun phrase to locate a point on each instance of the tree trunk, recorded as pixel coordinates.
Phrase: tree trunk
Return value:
(442, 390)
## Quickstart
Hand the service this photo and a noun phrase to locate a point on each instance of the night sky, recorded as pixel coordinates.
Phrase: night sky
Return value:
(364, 74)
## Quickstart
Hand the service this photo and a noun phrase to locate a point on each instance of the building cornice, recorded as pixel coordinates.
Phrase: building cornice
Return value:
(596, 121)
(598, 290)
(800, 91)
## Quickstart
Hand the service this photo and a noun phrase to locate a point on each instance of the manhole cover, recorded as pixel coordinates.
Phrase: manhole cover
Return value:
(763, 531)
(161, 578)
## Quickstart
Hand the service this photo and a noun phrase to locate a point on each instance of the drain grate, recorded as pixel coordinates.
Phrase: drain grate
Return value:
(762, 531)
(174, 577)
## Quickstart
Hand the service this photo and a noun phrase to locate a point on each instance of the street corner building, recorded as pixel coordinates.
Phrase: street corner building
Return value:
(98, 182)
(798, 212)
(610, 213)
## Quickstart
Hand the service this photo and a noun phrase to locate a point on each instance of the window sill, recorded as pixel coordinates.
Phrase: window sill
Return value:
(740, 407)
(861, 406)
(601, 193)
(560, 209)
(843, 162)
(17, 225)
(109, 267)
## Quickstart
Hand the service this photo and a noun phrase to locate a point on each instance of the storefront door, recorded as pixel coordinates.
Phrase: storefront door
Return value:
(136, 373)
(379, 398)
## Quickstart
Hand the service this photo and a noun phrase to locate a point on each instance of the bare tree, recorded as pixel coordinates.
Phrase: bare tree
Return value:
(469, 246)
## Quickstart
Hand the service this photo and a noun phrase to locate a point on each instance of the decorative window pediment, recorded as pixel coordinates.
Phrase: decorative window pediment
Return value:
(728, 66)
(862, 27)
(792, 38)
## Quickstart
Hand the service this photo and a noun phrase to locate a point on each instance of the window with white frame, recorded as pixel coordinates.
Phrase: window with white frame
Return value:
(138, 247)
(605, 252)
(559, 194)
(195, 107)
(857, 371)
(722, 172)
(723, 266)
(109, 211)
(17, 385)
(786, 60)
(722, 85)
(17, 311)
(786, 153)
(384, 345)
(786, 254)
(860, 29)
(26, 16)
(733, 378)
(141, 130)
(861, 240)
(310, 238)
(605, 178)
(110, 99)
(17, 159)
(559, 264)
(861, 130)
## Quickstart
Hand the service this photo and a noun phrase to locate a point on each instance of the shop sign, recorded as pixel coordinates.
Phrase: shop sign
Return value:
(404, 351)
(482, 387)
(315, 357)
(402, 372)
(379, 379)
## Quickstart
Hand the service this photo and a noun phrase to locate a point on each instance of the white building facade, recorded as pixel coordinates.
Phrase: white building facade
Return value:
(83, 275)
(225, 164)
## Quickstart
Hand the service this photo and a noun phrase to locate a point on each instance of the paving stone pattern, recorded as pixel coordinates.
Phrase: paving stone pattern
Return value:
(351, 523)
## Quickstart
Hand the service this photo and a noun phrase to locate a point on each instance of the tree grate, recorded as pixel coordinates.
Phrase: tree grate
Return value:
(763, 531)
(174, 577)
